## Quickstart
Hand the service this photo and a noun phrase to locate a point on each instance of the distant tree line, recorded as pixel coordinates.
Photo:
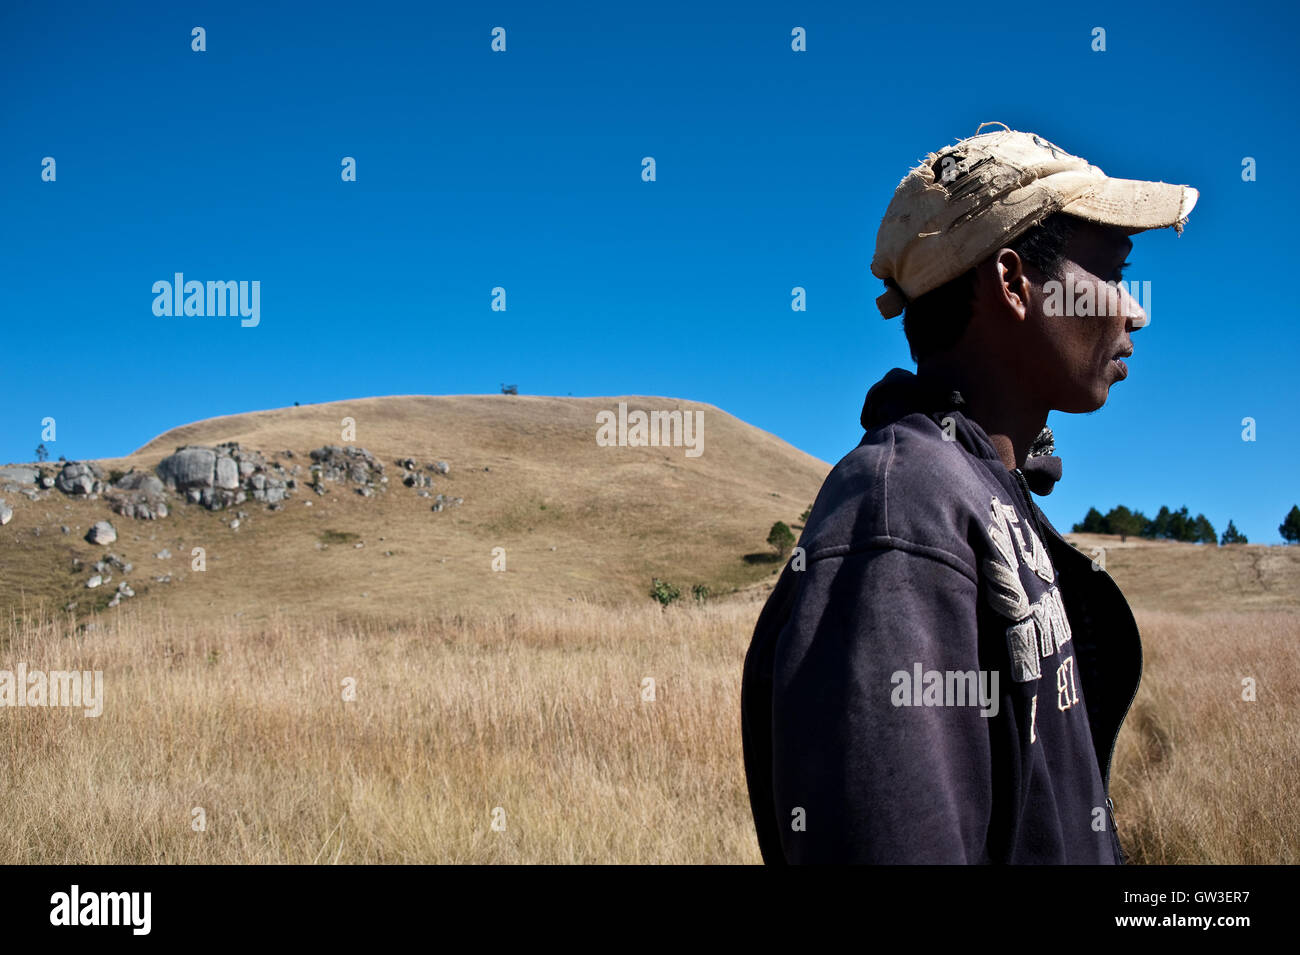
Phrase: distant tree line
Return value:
(1176, 525)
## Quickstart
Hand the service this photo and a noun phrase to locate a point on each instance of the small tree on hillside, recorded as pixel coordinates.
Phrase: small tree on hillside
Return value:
(1203, 531)
(1092, 523)
(1158, 527)
(1290, 528)
(1232, 535)
(1180, 525)
(1124, 522)
(41, 453)
(782, 538)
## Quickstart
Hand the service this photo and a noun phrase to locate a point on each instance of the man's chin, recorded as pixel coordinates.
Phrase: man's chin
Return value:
(1086, 400)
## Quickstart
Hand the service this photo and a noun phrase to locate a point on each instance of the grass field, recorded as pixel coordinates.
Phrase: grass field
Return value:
(479, 690)
(540, 714)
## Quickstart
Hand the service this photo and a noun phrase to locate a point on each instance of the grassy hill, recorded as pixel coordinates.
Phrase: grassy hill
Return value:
(576, 520)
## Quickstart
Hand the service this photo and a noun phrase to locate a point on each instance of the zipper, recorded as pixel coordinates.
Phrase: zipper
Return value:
(1110, 755)
(1029, 504)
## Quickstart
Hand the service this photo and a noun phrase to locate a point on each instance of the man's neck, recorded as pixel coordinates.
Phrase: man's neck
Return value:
(999, 410)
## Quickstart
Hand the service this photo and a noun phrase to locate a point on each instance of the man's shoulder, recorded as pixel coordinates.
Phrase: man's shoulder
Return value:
(907, 484)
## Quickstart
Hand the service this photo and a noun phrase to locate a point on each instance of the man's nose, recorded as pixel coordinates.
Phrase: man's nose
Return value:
(1131, 309)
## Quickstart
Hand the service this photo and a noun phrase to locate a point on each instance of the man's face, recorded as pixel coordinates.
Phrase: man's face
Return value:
(1085, 320)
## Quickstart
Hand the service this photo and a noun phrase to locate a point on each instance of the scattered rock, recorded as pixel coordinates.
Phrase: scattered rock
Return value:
(234, 525)
(101, 532)
(65, 528)
(163, 554)
(94, 582)
(442, 467)
(79, 479)
(6, 513)
(139, 495)
(19, 474)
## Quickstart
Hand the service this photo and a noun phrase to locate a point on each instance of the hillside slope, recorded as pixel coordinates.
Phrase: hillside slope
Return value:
(575, 519)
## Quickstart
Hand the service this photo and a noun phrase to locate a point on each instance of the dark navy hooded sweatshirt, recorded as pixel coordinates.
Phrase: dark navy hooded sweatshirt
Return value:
(938, 677)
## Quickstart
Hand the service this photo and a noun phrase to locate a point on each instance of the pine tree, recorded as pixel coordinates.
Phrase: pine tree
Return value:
(1232, 535)
(1290, 528)
(1158, 528)
(1093, 523)
(1123, 522)
(1204, 530)
(1180, 525)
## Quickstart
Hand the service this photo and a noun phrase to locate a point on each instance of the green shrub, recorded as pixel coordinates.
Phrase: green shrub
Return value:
(338, 537)
(781, 537)
(663, 591)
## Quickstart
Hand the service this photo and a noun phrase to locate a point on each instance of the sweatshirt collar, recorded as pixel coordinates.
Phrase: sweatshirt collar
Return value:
(900, 393)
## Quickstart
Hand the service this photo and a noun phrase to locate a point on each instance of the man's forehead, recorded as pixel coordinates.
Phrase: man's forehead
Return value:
(1093, 235)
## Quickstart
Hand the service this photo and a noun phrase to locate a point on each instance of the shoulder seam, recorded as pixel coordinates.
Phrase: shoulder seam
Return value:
(938, 555)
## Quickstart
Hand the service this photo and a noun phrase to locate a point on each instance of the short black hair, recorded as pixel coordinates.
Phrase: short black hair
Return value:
(936, 321)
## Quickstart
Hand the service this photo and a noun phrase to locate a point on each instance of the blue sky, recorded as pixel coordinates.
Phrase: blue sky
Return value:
(522, 170)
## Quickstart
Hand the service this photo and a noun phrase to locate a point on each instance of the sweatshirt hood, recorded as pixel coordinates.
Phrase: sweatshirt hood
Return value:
(901, 393)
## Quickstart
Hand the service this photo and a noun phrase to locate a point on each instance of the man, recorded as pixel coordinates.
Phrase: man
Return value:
(938, 676)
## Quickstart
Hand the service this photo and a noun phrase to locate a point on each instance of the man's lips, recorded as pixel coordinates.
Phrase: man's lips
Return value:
(1118, 361)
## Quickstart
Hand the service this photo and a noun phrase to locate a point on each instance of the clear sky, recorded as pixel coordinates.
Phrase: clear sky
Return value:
(522, 170)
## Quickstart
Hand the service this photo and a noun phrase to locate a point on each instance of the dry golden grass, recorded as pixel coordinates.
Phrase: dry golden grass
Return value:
(224, 688)
(539, 712)
(1202, 776)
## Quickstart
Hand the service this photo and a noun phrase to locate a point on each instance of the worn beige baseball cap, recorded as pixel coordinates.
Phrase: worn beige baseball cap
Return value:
(966, 201)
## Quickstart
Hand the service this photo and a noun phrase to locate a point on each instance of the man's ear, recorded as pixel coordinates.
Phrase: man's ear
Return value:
(1011, 288)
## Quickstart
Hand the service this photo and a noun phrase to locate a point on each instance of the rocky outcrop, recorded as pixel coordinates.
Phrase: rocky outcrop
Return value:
(19, 474)
(138, 494)
(225, 475)
(80, 479)
(350, 464)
